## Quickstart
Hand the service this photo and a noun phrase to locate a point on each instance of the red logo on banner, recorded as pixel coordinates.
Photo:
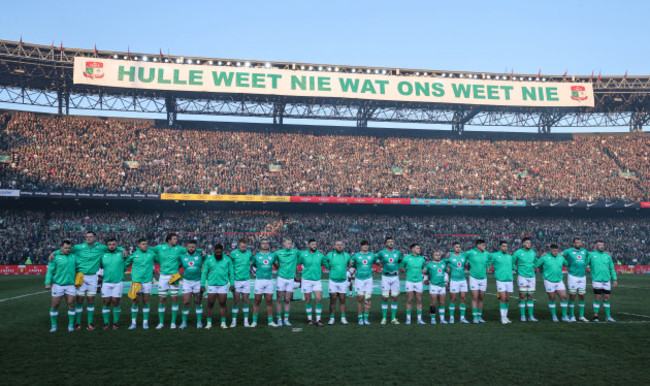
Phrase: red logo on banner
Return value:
(94, 70)
(578, 93)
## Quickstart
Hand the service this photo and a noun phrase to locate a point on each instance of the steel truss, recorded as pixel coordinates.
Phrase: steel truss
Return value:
(38, 75)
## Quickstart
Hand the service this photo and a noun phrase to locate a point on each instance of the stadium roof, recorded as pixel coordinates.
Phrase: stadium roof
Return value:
(40, 75)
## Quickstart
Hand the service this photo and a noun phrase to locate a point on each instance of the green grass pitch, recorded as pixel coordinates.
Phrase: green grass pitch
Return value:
(544, 352)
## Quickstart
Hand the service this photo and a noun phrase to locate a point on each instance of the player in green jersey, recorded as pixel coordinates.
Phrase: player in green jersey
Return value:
(456, 263)
(435, 278)
(168, 281)
(88, 255)
(477, 260)
(362, 262)
(241, 261)
(503, 267)
(219, 275)
(413, 264)
(338, 262)
(263, 263)
(60, 279)
(287, 261)
(312, 261)
(603, 275)
(525, 258)
(551, 265)
(112, 263)
(142, 262)
(192, 262)
(389, 259)
(576, 279)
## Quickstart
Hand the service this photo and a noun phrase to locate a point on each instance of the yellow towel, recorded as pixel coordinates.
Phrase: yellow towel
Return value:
(174, 278)
(133, 291)
(78, 279)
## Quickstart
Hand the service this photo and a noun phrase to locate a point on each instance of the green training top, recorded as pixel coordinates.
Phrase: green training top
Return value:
(62, 270)
(456, 264)
(525, 262)
(578, 261)
(169, 257)
(478, 263)
(363, 263)
(413, 266)
(436, 271)
(312, 263)
(264, 264)
(88, 258)
(217, 272)
(288, 261)
(601, 266)
(143, 265)
(552, 267)
(389, 261)
(503, 265)
(337, 263)
(113, 264)
(241, 262)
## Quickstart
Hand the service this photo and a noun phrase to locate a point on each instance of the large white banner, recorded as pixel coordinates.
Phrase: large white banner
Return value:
(243, 80)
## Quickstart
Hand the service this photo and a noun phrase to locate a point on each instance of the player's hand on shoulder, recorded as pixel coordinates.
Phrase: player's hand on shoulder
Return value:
(51, 257)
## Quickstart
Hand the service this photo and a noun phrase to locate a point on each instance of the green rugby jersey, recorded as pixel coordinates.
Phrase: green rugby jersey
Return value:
(363, 263)
(113, 265)
(241, 262)
(503, 265)
(577, 260)
(413, 266)
(312, 263)
(551, 266)
(264, 264)
(389, 261)
(436, 271)
(168, 257)
(337, 263)
(601, 266)
(88, 257)
(456, 264)
(217, 272)
(192, 265)
(142, 264)
(62, 270)
(287, 261)
(478, 263)
(525, 262)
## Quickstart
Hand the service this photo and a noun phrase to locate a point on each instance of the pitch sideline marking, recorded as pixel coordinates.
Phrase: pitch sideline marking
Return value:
(22, 296)
(627, 313)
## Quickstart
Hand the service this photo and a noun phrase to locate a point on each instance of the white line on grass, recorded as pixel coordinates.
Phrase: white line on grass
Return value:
(22, 296)
(627, 313)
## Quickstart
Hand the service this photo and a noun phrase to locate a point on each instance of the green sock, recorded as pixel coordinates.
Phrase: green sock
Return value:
(462, 311)
(475, 312)
(572, 308)
(342, 315)
(223, 320)
(393, 310)
(366, 315)
(245, 309)
(308, 310)
(360, 316)
(441, 312)
(235, 311)
(186, 312)
(530, 303)
(209, 320)
(319, 310)
(161, 313)
(384, 309)
(255, 318)
(116, 314)
(54, 314)
(452, 309)
(480, 313)
(522, 307)
(286, 315)
(419, 312)
(199, 313)
(71, 317)
(145, 313)
(607, 310)
(106, 313)
(551, 307)
(278, 316)
(596, 306)
(270, 318)
(563, 305)
(174, 312)
(78, 311)
(91, 313)
(581, 306)
(134, 313)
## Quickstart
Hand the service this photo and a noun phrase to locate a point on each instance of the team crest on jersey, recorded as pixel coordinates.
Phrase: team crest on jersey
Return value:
(439, 270)
(458, 264)
(265, 261)
(579, 257)
(390, 260)
(191, 263)
(365, 262)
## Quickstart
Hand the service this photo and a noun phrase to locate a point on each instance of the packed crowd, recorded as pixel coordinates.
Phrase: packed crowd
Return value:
(35, 234)
(88, 154)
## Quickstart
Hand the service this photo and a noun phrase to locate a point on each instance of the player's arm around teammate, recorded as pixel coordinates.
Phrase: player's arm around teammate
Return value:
(524, 259)
(192, 262)
(458, 288)
(60, 279)
(389, 259)
(577, 257)
(477, 262)
(551, 265)
(218, 275)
